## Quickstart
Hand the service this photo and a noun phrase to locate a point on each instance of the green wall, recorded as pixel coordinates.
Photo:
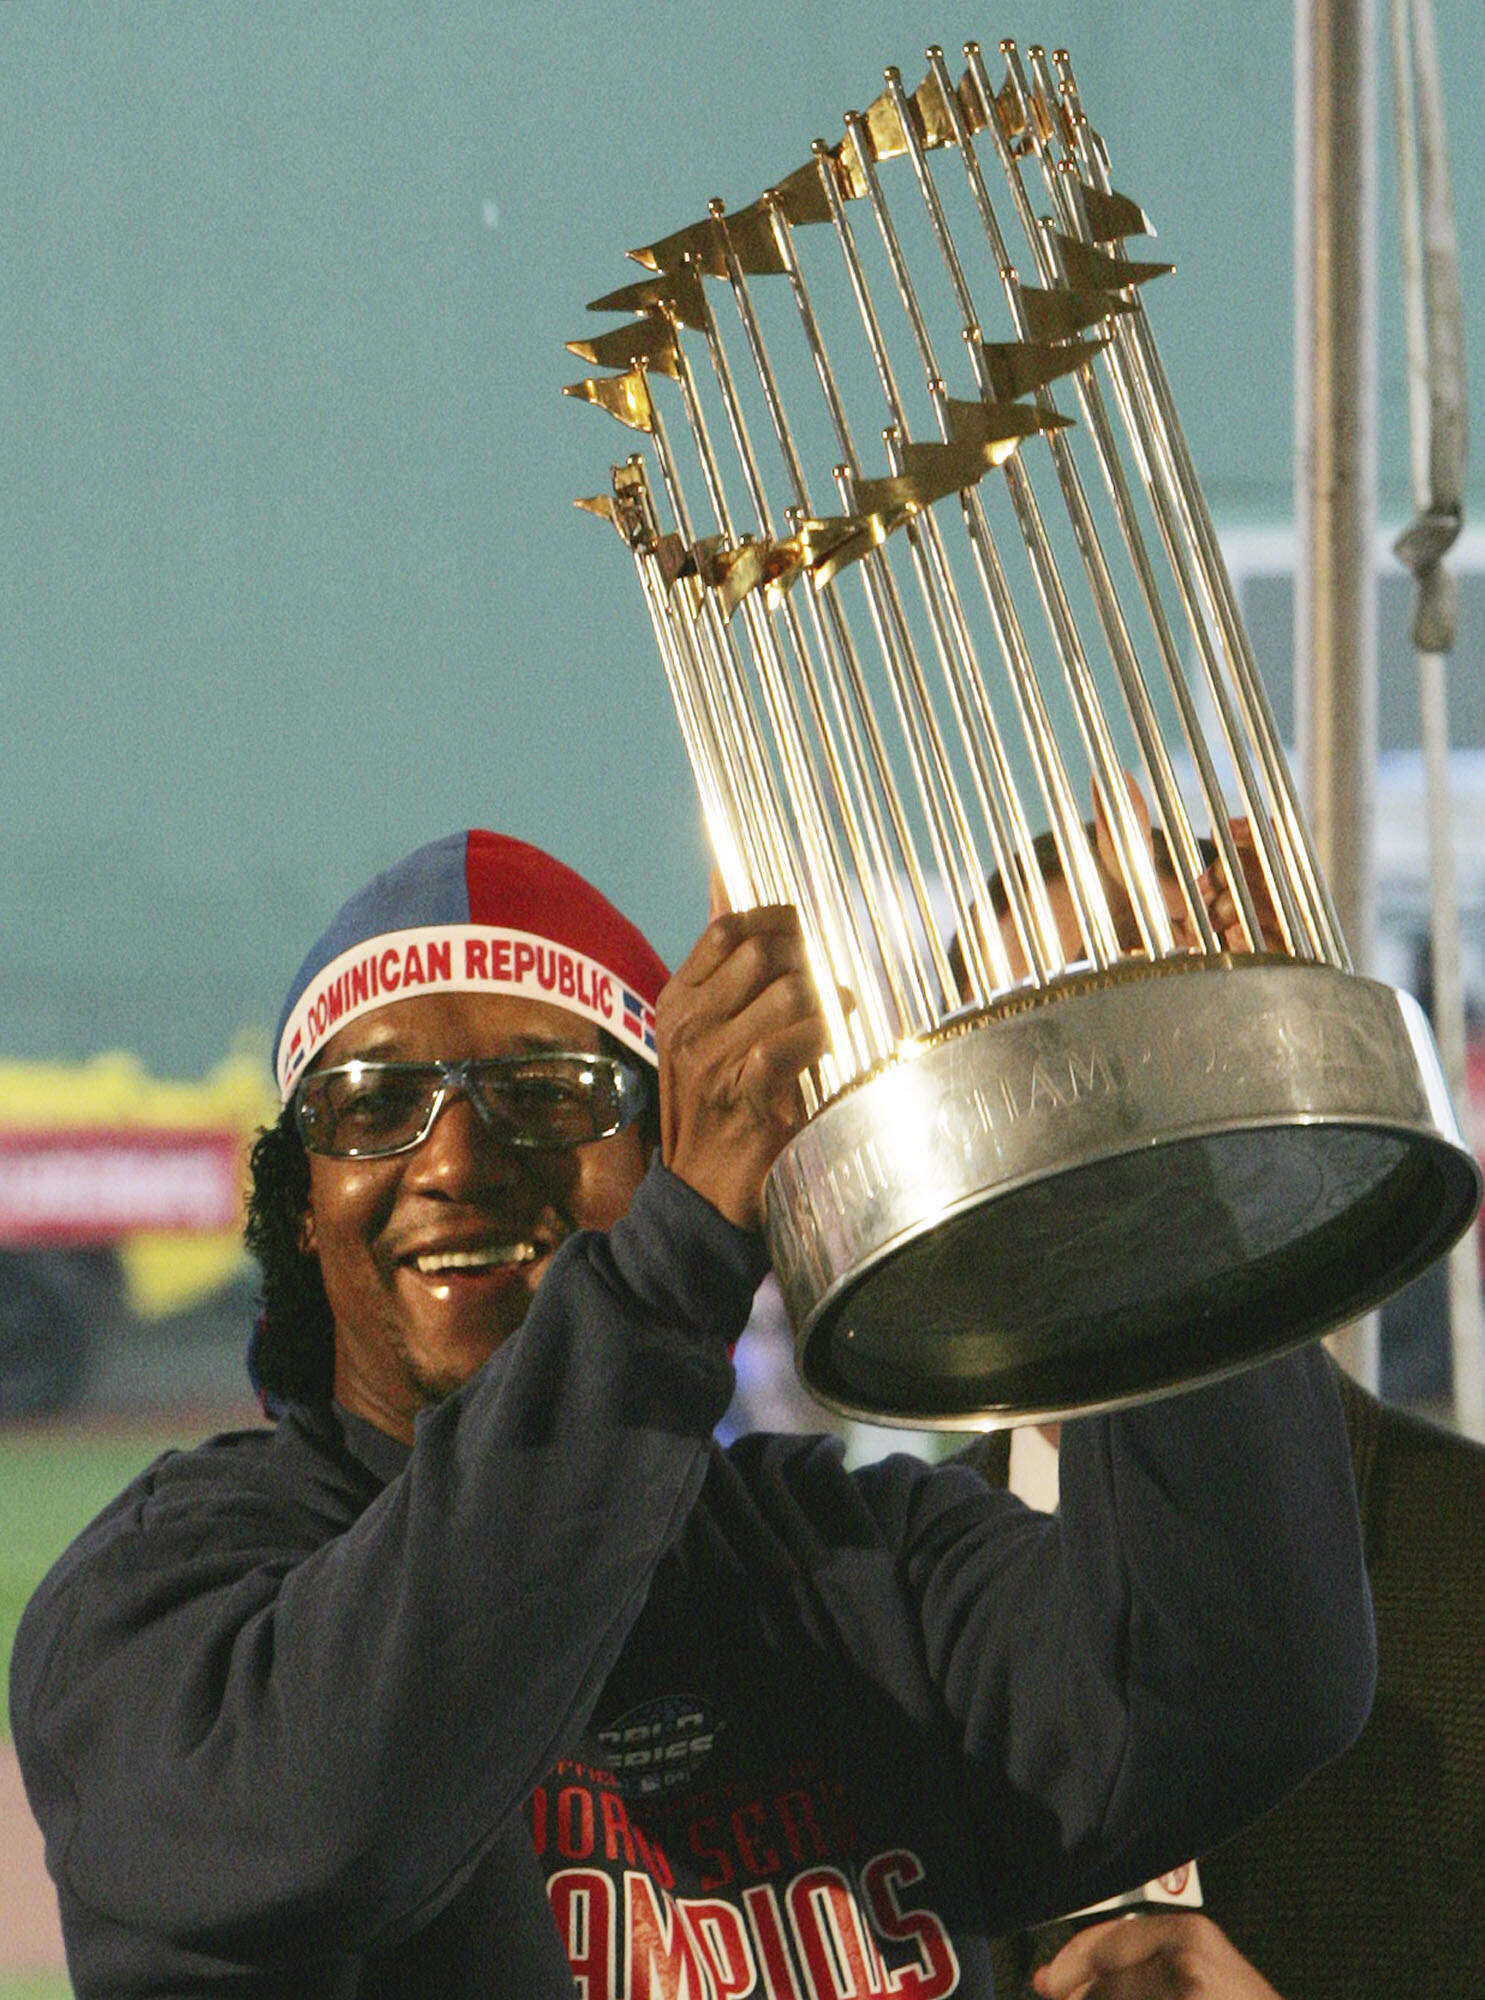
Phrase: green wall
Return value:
(290, 578)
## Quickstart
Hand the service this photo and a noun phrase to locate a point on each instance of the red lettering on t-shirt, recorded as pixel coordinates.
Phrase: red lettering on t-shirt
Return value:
(720, 1937)
(702, 1838)
(937, 1971)
(660, 1961)
(796, 1811)
(575, 1822)
(839, 1958)
(747, 1825)
(582, 1902)
(762, 1906)
(616, 1829)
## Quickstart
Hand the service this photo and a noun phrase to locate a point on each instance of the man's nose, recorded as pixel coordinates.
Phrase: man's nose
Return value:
(461, 1152)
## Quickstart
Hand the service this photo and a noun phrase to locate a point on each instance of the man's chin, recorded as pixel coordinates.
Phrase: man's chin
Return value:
(436, 1371)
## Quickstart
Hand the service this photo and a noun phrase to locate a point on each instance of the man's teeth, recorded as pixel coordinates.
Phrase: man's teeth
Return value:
(482, 1259)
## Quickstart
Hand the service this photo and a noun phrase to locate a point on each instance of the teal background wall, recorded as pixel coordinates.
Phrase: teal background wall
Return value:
(290, 577)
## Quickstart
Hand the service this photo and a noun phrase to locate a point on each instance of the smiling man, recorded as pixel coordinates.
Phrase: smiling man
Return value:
(485, 1672)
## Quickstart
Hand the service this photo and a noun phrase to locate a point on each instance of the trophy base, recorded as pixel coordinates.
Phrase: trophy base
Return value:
(1125, 1186)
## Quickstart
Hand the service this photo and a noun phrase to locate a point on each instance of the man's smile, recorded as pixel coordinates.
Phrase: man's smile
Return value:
(491, 1256)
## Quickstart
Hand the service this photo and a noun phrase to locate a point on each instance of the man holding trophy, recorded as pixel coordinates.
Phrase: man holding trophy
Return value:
(484, 1672)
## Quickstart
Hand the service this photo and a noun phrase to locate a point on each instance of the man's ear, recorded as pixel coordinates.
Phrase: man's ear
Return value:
(308, 1242)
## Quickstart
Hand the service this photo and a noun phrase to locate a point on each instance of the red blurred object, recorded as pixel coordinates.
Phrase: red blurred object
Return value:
(84, 1186)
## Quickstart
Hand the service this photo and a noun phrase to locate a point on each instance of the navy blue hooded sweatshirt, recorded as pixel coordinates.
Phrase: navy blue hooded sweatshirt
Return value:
(564, 1699)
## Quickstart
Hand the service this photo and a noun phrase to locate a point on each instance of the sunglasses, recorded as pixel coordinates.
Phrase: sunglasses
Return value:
(369, 1110)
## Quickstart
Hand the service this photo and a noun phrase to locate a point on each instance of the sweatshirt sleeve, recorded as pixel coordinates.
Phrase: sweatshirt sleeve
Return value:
(1137, 1676)
(236, 1732)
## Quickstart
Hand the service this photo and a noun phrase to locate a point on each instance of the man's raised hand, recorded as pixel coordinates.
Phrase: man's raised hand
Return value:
(736, 1027)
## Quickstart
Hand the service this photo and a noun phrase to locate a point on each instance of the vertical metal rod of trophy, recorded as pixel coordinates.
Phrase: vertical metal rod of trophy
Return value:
(723, 697)
(986, 960)
(1137, 417)
(859, 717)
(1023, 885)
(1185, 856)
(856, 801)
(1046, 955)
(830, 906)
(1294, 871)
(1140, 880)
(730, 698)
(818, 872)
(1277, 829)
(967, 695)
(1092, 724)
(877, 580)
(1111, 465)
(690, 688)
(1024, 888)
(695, 735)
(953, 846)
(1028, 905)
(749, 871)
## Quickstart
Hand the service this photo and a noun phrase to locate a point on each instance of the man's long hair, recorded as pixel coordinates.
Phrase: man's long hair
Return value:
(292, 1359)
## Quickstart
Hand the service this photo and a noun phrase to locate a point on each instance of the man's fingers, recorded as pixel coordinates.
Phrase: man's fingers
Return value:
(1151, 1957)
(1095, 1960)
(716, 896)
(736, 1027)
(776, 1032)
(728, 931)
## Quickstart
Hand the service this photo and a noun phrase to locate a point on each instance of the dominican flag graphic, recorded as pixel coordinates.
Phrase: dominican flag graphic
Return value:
(639, 1020)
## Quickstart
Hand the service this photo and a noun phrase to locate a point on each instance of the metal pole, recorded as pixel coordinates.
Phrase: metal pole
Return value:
(1438, 433)
(1335, 659)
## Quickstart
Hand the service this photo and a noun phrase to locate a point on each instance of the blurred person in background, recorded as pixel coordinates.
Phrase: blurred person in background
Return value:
(1366, 1883)
(1369, 1881)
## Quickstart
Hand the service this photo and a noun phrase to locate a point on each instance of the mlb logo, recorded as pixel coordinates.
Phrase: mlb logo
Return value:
(295, 1056)
(639, 1020)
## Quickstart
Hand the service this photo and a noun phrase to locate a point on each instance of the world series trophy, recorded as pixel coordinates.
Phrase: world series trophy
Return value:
(961, 675)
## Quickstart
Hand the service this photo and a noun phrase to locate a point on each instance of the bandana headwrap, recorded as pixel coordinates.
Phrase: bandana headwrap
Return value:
(474, 913)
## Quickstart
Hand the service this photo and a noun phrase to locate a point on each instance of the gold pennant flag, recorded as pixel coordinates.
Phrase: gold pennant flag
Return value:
(971, 104)
(1091, 270)
(1020, 367)
(626, 397)
(980, 435)
(750, 235)
(1113, 216)
(884, 128)
(696, 244)
(1061, 314)
(801, 195)
(831, 545)
(679, 293)
(731, 570)
(604, 506)
(649, 342)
